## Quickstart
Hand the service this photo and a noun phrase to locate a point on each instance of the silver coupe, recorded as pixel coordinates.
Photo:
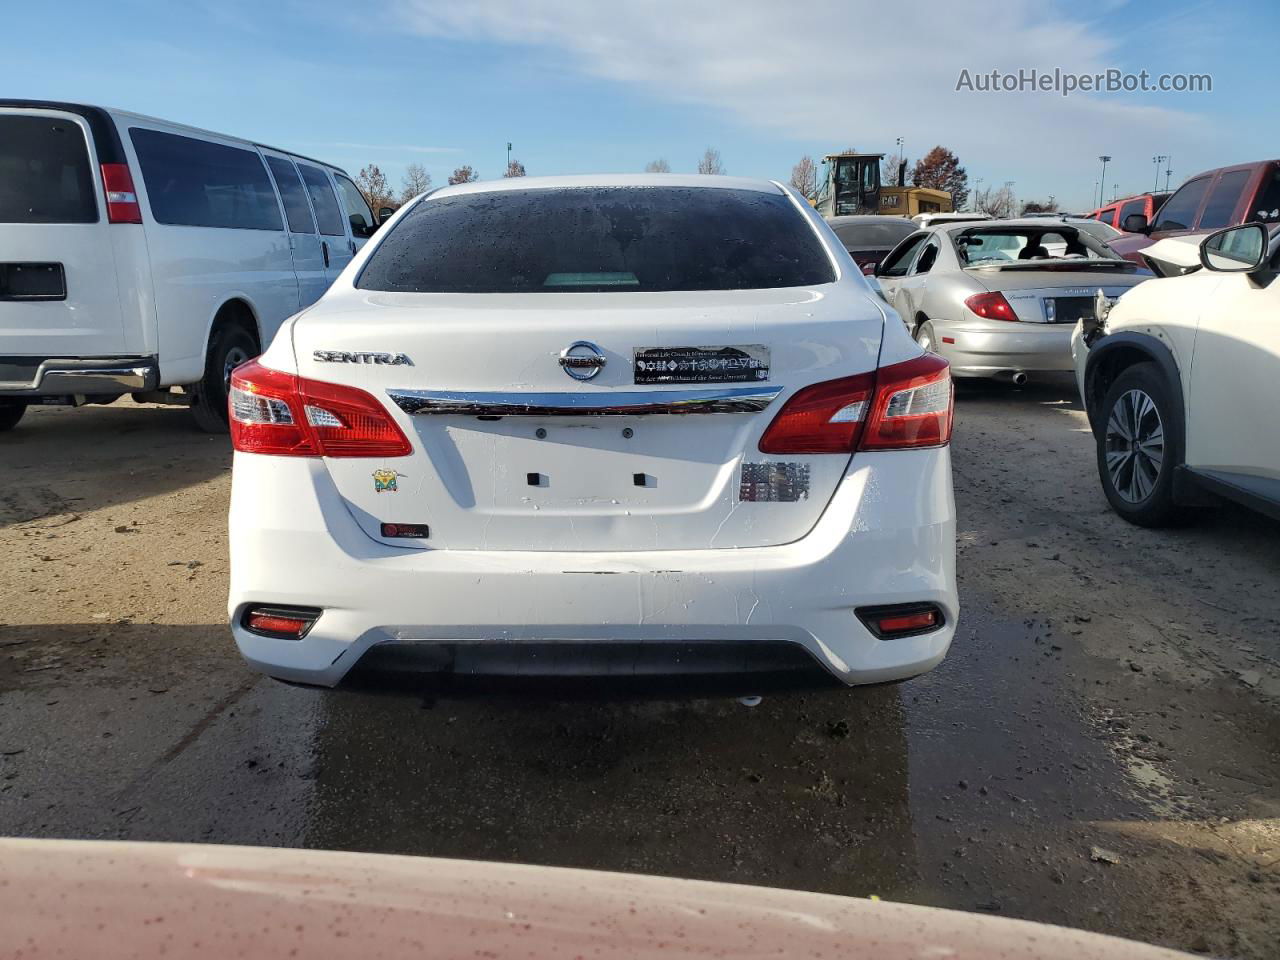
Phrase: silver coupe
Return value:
(1000, 298)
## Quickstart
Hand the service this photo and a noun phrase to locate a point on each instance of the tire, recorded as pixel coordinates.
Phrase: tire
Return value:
(230, 346)
(1140, 444)
(11, 412)
(925, 336)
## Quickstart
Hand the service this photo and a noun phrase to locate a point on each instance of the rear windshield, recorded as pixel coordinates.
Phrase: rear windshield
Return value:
(995, 245)
(44, 172)
(856, 236)
(585, 239)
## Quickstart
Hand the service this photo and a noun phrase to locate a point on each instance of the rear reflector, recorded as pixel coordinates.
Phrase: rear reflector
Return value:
(901, 620)
(122, 201)
(285, 623)
(278, 413)
(903, 405)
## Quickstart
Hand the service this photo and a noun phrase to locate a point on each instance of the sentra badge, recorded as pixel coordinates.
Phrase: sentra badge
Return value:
(362, 356)
(384, 481)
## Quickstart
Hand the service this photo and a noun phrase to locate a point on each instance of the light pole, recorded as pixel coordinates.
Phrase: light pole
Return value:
(1157, 160)
(1103, 188)
(1168, 171)
(977, 188)
(508, 155)
(901, 163)
(1012, 206)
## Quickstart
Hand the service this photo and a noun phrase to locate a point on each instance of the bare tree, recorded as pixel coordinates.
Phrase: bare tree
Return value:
(892, 170)
(995, 203)
(514, 169)
(657, 166)
(710, 162)
(416, 180)
(804, 177)
(1040, 206)
(464, 174)
(373, 184)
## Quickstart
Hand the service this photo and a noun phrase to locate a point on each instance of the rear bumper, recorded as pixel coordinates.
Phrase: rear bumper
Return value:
(1005, 348)
(887, 537)
(60, 376)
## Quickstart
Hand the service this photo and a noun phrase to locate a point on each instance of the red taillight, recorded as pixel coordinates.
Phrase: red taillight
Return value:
(278, 413)
(905, 404)
(824, 418)
(913, 408)
(122, 201)
(991, 306)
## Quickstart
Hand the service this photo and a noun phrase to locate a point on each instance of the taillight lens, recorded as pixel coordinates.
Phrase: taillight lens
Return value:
(824, 418)
(903, 405)
(122, 201)
(913, 408)
(281, 414)
(991, 306)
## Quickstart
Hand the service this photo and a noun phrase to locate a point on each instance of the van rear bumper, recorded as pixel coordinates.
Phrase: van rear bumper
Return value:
(63, 376)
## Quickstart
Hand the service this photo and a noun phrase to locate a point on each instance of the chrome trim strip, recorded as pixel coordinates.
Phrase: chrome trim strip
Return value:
(634, 403)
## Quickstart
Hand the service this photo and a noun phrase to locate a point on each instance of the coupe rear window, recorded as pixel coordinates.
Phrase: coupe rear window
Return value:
(587, 239)
(996, 245)
(44, 172)
(858, 236)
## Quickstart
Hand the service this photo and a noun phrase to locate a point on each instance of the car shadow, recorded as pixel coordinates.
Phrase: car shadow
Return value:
(61, 460)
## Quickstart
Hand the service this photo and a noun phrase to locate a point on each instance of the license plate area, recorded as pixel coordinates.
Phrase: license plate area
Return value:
(1068, 309)
(32, 281)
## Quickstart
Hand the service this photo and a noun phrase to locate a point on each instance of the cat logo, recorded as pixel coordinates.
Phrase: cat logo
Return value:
(384, 481)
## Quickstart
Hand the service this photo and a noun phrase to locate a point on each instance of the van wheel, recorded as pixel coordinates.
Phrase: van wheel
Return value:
(230, 346)
(11, 412)
(1139, 447)
(925, 337)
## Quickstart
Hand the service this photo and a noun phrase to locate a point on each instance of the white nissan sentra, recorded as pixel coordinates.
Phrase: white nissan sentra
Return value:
(616, 413)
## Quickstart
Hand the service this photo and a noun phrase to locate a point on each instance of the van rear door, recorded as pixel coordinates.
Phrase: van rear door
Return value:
(59, 294)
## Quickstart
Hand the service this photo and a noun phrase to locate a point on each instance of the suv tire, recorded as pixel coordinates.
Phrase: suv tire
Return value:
(230, 346)
(1140, 445)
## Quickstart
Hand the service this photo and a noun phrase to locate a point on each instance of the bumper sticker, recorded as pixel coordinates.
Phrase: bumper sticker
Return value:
(748, 363)
(384, 481)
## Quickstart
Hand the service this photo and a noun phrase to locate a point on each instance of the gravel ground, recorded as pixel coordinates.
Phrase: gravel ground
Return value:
(1099, 750)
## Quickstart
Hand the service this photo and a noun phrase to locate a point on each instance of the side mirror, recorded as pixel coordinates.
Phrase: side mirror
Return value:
(385, 214)
(1134, 223)
(359, 228)
(1235, 250)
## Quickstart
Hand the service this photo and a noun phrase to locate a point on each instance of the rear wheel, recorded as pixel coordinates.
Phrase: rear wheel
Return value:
(1139, 447)
(926, 338)
(230, 346)
(11, 412)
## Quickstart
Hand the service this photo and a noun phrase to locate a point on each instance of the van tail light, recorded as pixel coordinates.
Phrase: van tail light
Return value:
(122, 201)
(903, 405)
(278, 413)
(991, 306)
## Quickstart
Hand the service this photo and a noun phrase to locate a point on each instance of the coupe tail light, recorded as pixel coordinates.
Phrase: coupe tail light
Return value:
(903, 405)
(122, 201)
(281, 414)
(991, 306)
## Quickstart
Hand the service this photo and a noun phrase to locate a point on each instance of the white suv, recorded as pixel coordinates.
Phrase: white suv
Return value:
(639, 410)
(137, 255)
(1181, 379)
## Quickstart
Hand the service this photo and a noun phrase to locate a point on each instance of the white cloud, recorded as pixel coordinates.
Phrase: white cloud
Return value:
(841, 73)
(391, 148)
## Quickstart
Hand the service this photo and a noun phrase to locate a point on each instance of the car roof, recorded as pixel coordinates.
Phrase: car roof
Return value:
(707, 181)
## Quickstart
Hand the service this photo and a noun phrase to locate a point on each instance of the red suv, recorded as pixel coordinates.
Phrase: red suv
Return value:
(1212, 200)
(1114, 213)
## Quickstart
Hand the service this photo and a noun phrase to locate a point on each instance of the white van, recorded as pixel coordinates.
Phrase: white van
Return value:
(138, 256)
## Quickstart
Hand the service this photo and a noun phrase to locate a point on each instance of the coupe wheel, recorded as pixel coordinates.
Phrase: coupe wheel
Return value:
(925, 337)
(1139, 446)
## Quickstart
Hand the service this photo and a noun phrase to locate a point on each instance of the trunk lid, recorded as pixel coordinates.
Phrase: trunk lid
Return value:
(1055, 295)
(559, 479)
(59, 294)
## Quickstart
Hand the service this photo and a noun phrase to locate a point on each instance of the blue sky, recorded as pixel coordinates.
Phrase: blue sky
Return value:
(581, 86)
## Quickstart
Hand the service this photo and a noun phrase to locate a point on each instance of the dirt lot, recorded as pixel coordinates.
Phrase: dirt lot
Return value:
(1110, 688)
